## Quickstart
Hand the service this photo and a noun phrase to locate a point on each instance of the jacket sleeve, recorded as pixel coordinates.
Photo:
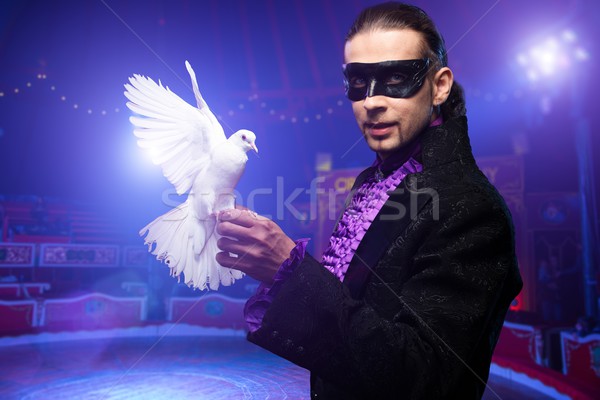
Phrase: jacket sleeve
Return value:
(441, 308)
(257, 305)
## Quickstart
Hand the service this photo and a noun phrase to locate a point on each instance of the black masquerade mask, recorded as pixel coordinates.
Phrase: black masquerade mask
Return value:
(399, 79)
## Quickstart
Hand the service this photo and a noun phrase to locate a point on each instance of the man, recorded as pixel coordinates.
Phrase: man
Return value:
(411, 294)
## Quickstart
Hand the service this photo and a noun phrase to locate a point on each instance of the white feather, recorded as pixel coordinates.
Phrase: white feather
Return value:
(190, 146)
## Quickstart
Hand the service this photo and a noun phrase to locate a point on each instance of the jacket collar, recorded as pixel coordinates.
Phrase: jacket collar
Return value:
(446, 143)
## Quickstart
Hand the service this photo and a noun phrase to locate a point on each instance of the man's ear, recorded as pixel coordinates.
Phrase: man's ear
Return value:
(442, 83)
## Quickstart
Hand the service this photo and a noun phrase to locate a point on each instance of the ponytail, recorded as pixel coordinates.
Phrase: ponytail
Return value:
(455, 105)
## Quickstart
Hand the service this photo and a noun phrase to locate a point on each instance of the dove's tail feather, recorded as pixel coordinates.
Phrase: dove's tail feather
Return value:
(188, 245)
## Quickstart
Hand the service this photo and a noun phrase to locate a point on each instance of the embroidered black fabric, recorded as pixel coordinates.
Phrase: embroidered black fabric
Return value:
(421, 308)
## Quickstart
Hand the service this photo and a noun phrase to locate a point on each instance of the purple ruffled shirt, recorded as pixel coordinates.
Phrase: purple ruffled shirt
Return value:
(364, 206)
(366, 203)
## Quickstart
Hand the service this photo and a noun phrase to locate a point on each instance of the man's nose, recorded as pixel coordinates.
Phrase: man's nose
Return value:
(374, 102)
(371, 87)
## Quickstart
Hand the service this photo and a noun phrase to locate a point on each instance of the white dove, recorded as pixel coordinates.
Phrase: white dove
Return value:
(190, 146)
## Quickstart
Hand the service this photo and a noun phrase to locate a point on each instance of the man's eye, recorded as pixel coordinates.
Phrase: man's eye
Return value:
(357, 82)
(396, 79)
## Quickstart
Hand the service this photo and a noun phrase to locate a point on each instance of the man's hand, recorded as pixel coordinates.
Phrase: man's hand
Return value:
(259, 243)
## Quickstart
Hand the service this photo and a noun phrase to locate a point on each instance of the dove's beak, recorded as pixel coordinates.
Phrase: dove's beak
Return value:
(254, 148)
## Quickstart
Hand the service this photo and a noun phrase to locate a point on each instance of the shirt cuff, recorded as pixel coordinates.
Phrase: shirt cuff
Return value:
(257, 305)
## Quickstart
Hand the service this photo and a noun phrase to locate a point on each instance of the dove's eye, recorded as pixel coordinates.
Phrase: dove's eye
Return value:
(243, 137)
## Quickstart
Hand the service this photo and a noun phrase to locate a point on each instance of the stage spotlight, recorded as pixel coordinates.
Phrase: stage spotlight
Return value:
(551, 57)
(545, 65)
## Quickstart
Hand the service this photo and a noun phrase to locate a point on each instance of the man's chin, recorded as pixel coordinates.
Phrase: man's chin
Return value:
(383, 146)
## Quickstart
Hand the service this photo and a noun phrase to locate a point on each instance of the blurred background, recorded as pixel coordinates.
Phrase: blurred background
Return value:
(75, 188)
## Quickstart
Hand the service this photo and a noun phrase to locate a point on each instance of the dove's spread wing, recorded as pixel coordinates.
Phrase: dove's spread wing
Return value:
(178, 136)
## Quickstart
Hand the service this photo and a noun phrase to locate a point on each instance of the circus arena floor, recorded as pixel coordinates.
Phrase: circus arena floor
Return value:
(110, 366)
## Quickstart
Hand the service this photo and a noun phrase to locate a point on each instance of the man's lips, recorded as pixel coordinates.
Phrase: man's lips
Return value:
(378, 129)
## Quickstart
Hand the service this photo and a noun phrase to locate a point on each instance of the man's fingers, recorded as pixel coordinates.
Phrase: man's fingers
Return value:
(227, 261)
(231, 214)
(231, 245)
(243, 217)
(228, 228)
(241, 264)
(238, 217)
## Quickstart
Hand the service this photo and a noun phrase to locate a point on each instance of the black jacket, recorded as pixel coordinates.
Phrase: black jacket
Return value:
(424, 298)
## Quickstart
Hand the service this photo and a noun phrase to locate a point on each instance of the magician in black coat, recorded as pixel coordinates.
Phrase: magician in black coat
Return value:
(423, 301)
